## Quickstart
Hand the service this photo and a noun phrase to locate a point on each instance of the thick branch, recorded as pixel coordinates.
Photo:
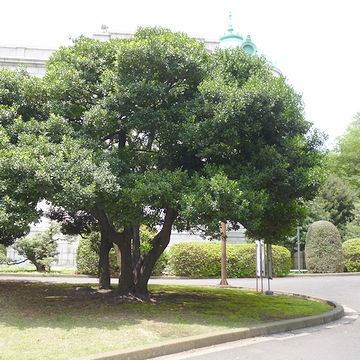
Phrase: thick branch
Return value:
(16, 262)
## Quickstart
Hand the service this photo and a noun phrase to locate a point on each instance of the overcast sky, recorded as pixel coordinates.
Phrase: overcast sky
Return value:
(315, 43)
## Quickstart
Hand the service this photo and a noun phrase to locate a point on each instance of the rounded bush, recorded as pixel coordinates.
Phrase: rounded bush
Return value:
(87, 257)
(323, 252)
(203, 259)
(351, 251)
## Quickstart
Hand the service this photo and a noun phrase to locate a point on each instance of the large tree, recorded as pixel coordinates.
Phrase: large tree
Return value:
(346, 158)
(21, 98)
(155, 130)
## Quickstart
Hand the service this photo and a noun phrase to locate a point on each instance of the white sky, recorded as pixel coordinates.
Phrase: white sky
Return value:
(315, 43)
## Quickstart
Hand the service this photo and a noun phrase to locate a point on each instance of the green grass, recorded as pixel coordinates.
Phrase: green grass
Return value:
(51, 321)
(31, 270)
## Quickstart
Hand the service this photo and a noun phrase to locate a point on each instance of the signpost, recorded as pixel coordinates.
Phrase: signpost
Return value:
(269, 267)
(260, 264)
(263, 265)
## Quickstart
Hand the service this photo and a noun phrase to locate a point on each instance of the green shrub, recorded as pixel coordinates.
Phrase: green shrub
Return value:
(161, 265)
(351, 251)
(282, 261)
(323, 253)
(2, 254)
(196, 259)
(87, 257)
(40, 249)
(203, 259)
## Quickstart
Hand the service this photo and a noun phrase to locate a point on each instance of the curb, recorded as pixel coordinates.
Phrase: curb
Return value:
(199, 341)
(295, 275)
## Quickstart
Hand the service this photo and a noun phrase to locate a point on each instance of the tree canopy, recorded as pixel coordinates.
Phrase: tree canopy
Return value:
(154, 130)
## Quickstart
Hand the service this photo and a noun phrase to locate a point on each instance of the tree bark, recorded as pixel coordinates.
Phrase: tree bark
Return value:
(104, 270)
(134, 277)
(126, 277)
(136, 244)
(146, 264)
(39, 267)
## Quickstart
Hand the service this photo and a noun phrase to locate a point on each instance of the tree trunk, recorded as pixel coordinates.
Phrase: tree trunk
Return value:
(126, 278)
(104, 270)
(146, 264)
(133, 279)
(39, 267)
(136, 244)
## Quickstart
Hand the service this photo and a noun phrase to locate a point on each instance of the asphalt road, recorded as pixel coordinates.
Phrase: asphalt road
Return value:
(334, 341)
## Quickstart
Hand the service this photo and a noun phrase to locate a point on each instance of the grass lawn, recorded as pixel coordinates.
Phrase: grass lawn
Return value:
(31, 270)
(52, 321)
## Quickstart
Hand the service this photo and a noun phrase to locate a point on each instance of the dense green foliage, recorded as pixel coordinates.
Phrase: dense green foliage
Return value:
(2, 254)
(155, 131)
(346, 160)
(39, 249)
(323, 253)
(202, 259)
(335, 202)
(351, 251)
(21, 98)
(87, 256)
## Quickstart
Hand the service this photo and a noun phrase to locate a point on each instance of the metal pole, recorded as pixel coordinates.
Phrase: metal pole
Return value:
(223, 281)
(298, 248)
(257, 271)
(269, 267)
(261, 265)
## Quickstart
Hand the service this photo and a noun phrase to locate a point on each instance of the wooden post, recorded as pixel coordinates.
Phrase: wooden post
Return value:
(223, 281)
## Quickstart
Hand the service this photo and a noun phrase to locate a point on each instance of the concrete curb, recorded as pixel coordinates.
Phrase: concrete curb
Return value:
(199, 341)
(295, 275)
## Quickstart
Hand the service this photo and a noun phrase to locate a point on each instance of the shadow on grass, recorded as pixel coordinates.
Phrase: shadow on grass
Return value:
(28, 305)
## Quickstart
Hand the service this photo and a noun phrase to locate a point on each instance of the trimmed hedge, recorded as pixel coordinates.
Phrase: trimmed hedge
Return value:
(351, 251)
(203, 259)
(323, 252)
(87, 259)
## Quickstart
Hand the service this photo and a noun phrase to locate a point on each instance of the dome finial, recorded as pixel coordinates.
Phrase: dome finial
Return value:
(230, 26)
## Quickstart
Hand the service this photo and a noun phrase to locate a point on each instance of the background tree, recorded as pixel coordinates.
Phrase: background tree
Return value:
(346, 159)
(40, 249)
(335, 202)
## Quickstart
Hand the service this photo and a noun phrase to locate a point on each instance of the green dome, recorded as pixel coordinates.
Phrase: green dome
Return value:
(249, 46)
(230, 39)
